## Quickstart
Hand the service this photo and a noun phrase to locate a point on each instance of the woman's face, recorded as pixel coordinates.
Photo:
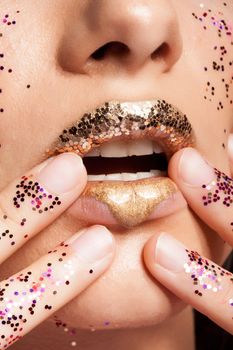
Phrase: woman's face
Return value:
(179, 51)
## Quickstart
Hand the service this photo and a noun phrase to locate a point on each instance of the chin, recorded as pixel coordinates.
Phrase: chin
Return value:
(126, 296)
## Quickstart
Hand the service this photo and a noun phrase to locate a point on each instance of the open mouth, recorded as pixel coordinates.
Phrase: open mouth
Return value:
(126, 161)
(126, 147)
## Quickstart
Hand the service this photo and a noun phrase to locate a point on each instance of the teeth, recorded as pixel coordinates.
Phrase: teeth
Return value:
(126, 176)
(121, 149)
(132, 176)
(158, 172)
(157, 148)
(113, 177)
(140, 147)
(114, 149)
(96, 177)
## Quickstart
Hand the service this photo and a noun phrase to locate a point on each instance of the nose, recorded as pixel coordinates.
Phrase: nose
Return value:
(122, 34)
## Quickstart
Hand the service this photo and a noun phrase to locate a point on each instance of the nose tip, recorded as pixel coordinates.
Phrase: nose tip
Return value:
(145, 31)
(128, 34)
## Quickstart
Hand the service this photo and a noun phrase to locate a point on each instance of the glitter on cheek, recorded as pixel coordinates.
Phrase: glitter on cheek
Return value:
(216, 20)
(40, 199)
(223, 60)
(7, 21)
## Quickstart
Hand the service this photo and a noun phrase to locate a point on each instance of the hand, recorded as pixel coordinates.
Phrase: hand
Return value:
(192, 277)
(27, 205)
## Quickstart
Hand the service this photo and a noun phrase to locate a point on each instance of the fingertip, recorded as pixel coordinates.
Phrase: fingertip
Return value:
(103, 230)
(192, 169)
(149, 250)
(93, 244)
(230, 147)
(173, 166)
(65, 173)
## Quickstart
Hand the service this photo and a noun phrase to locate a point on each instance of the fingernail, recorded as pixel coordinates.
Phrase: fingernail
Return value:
(93, 244)
(170, 253)
(194, 170)
(230, 146)
(63, 173)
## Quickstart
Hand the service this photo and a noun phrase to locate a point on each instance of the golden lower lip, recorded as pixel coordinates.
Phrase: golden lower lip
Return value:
(131, 202)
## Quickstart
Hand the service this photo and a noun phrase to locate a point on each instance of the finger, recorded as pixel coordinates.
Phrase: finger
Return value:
(32, 202)
(193, 278)
(34, 294)
(230, 151)
(208, 191)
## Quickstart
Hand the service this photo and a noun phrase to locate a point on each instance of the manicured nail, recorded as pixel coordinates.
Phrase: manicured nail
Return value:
(63, 173)
(194, 170)
(94, 244)
(230, 146)
(170, 253)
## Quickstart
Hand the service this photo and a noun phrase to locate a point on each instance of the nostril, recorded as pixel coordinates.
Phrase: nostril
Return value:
(114, 48)
(161, 52)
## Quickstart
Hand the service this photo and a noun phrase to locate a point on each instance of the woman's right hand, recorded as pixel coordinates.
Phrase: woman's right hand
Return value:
(28, 205)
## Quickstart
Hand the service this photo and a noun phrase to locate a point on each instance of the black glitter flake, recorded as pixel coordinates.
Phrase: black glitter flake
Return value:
(41, 201)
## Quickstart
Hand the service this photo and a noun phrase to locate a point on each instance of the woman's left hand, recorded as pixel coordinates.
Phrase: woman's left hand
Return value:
(193, 278)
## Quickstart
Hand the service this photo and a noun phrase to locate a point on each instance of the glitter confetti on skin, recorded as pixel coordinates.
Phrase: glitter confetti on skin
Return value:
(67, 329)
(71, 331)
(206, 276)
(89, 271)
(37, 194)
(223, 30)
(6, 20)
(221, 189)
(207, 17)
(17, 305)
(6, 234)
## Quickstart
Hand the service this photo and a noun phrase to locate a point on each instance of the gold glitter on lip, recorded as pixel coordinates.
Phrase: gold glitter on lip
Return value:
(155, 119)
(131, 202)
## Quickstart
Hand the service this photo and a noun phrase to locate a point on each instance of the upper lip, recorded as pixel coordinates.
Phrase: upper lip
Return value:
(155, 119)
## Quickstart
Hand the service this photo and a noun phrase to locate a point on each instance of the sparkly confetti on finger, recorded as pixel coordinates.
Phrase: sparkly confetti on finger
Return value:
(40, 199)
(195, 279)
(30, 296)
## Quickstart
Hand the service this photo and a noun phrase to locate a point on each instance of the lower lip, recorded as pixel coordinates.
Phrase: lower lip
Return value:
(127, 203)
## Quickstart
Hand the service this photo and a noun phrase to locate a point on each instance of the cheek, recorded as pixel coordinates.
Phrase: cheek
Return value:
(8, 24)
(208, 48)
(11, 129)
(26, 97)
(216, 39)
